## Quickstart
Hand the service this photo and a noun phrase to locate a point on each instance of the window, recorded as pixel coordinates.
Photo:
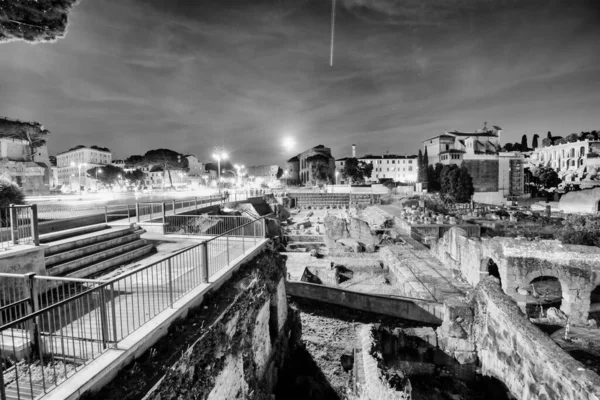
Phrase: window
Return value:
(410, 168)
(572, 152)
(581, 151)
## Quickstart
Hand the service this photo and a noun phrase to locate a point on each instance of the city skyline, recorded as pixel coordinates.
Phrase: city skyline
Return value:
(136, 76)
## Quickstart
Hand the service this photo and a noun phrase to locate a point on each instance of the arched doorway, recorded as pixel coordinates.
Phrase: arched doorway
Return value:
(595, 305)
(546, 292)
(489, 267)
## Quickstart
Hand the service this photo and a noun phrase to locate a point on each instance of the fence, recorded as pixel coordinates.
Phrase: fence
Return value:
(18, 225)
(203, 224)
(41, 348)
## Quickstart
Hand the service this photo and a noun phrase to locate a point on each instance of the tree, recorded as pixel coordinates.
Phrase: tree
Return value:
(508, 147)
(465, 188)
(136, 177)
(166, 159)
(356, 171)
(279, 173)
(573, 137)
(319, 168)
(107, 174)
(425, 169)
(546, 142)
(134, 161)
(534, 142)
(31, 132)
(524, 146)
(10, 193)
(456, 184)
(549, 135)
(546, 177)
(583, 230)
(34, 21)
(432, 180)
(420, 170)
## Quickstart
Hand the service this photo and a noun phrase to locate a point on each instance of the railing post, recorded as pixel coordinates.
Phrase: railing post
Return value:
(254, 229)
(170, 271)
(114, 309)
(35, 233)
(228, 260)
(204, 262)
(128, 216)
(195, 203)
(173, 207)
(264, 229)
(103, 318)
(14, 229)
(32, 306)
(137, 212)
(106, 214)
(164, 212)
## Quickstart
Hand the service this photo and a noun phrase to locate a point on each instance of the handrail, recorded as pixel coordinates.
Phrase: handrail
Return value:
(103, 284)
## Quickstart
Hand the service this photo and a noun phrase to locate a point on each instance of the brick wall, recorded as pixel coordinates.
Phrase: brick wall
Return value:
(484, 174)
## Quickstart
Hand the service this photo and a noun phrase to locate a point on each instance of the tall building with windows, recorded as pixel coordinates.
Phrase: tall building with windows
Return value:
(73, 163)
(299, 169)
(392, 166)
(496, 175)
(399, 168)
(574, 161)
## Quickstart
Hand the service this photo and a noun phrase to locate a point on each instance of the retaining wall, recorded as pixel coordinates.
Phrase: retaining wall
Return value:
(407, 308)
(513, 350)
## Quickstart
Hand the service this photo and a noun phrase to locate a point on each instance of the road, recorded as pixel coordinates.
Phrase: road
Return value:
(102, 199)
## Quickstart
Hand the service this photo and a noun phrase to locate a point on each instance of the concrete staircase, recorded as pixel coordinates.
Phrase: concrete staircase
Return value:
(86, 251)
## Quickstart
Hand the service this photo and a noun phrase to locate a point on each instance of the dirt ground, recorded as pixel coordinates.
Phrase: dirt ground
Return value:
(327, 332)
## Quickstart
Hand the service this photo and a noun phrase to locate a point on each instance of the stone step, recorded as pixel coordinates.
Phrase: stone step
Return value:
(112, 262)
(117, 239)
(86, 239)
(69, 233)
(305, 245)
(65, 269)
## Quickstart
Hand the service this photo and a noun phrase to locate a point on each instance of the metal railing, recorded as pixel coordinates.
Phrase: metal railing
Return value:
(18, 225)
(21, 294)
(41, 348)
(203, 224)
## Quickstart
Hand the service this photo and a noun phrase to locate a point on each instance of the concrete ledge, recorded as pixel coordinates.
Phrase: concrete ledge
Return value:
(102, 370)
(401, 307)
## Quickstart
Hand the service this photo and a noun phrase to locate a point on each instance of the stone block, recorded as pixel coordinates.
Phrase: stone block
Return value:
(261, 342)
(465, 357)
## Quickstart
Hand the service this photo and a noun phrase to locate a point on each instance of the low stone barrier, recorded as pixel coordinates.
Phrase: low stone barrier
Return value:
(401, 307)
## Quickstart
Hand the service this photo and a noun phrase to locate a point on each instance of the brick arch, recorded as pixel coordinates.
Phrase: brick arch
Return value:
(490, 267)
(565, 286)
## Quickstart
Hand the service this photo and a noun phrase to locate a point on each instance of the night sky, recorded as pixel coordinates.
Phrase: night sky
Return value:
(135, 75)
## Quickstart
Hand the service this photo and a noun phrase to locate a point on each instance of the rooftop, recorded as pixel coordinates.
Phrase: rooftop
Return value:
(387, 156)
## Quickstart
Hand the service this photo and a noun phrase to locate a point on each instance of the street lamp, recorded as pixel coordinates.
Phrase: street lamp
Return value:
(219, 155)
(337, 173)
(79, 168)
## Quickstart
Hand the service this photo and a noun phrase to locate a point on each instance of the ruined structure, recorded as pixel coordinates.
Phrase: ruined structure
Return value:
(24, 155)
(519, 262)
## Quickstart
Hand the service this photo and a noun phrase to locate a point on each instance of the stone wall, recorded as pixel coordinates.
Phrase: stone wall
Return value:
(520, 261)
(484, 174)
(516, 352)
(582, 201)
(240, 355)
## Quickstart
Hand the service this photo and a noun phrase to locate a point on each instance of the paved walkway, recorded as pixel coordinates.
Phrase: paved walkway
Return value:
(75, 333)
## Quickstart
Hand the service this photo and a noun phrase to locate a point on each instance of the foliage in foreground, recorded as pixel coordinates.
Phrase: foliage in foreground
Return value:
(578, 229)
(10, 193)
(33, 21)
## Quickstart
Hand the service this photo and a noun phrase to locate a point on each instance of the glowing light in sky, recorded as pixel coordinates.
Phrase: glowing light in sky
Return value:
(289, 143)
